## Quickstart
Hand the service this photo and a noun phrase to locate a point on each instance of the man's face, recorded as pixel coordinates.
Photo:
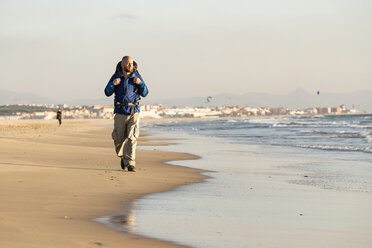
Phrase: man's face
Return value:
(127, 65)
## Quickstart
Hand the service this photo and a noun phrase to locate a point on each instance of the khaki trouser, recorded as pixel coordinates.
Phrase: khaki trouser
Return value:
(125, 135)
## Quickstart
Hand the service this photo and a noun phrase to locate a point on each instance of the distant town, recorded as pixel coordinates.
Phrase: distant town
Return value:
(40, 111)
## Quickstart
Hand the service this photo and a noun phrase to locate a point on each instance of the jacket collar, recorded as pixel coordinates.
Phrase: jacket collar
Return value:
(132, 75)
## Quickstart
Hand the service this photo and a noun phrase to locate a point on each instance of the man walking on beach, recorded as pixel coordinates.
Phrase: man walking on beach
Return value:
(128, 86)
(59, 116)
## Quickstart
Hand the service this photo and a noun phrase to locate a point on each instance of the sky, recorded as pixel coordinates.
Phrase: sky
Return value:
(69, 49)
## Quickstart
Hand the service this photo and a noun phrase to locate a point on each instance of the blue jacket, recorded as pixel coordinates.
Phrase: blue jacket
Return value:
(125, 92)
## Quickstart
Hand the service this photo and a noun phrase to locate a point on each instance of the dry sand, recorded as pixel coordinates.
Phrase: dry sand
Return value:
(55, 180)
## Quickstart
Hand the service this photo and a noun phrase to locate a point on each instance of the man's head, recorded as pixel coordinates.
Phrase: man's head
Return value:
(127, 64)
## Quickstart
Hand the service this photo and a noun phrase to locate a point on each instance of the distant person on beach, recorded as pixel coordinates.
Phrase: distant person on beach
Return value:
(59, 116)
(128, 86)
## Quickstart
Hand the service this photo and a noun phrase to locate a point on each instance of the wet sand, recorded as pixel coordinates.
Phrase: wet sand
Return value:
(55, 180)
(261, 196)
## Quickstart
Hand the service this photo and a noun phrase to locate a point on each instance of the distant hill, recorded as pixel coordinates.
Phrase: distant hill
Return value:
(361, 100)
(107, 101)
(11, 97)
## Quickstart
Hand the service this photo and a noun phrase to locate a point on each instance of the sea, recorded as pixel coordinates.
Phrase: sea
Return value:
(330, 153)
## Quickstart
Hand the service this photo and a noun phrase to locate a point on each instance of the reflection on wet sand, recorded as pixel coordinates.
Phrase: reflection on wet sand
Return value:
(127, 220)
(123, 221)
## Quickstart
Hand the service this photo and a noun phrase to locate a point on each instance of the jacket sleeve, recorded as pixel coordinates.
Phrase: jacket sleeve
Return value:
(143, 91)
(110, 87)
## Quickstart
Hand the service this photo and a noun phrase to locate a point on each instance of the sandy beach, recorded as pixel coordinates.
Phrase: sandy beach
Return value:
(55, 180)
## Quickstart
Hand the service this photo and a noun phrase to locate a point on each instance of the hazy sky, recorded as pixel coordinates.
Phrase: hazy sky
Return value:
(69, 49)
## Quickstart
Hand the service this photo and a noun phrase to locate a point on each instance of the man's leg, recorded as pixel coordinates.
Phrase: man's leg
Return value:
(119, 133)
(130, 144)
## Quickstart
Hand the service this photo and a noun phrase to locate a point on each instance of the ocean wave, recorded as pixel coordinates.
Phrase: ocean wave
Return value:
(219, 128)
(367, 149)
(307, 124)
(240, 136)
(348, 136)
(317, 132)
(368, 135)
(281, 124)
(340, 133)
(303, 122)
(336, 133)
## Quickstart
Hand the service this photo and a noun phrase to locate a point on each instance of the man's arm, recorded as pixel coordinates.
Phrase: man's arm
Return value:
(110, 87)
(143, 91)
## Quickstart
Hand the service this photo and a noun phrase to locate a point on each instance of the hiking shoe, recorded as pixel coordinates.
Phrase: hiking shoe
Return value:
(122, 164)
(131, 168)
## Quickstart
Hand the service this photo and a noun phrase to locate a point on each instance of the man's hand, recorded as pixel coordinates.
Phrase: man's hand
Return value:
(136, 80)
(117, 81)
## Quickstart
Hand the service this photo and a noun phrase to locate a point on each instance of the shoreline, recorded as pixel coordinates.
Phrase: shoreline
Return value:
(68, 176)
